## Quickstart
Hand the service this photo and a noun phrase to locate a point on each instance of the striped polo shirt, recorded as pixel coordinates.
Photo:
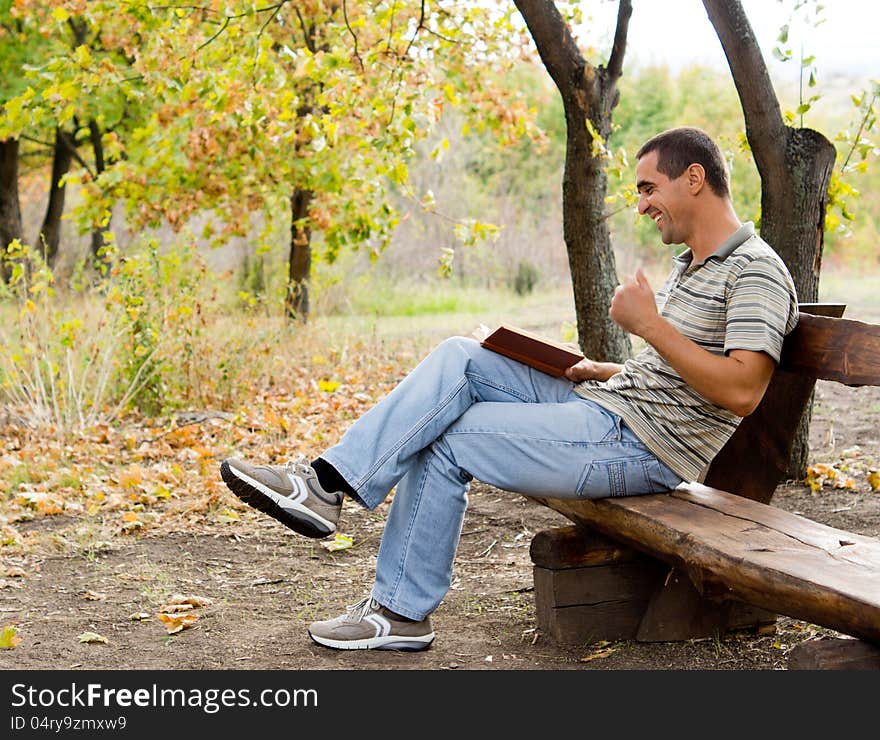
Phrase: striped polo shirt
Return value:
(740, 297)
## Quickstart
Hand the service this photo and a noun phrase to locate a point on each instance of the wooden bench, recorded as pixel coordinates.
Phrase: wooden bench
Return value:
(708, 558)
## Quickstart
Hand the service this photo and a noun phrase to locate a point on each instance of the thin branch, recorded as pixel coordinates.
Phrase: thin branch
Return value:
(307, 37)
(391, 24)
(270, 19)
(859, 133)
(35, 140)
(70, 145)
(419, 26)
(223, 27)
(441, 36)
(353, 35)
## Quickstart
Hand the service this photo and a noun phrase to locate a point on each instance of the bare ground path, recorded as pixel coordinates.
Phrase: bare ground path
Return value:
(264, 584)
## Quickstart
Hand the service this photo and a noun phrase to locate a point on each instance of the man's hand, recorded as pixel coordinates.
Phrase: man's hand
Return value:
(633, 307)
(588, 369)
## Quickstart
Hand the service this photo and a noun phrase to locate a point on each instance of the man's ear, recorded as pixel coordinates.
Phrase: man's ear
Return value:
(696, 178)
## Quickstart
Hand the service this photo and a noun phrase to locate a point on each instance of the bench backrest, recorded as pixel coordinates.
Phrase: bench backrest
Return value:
(822, 346)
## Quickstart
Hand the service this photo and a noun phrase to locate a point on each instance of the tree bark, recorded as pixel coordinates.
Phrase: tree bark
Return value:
(10, 208)
(50, 232)
(589, 94)
(296, 301)
(99, 259)
(795, 166)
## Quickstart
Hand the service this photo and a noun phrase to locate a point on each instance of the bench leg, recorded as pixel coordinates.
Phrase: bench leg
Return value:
(677, 611)
(590, 588)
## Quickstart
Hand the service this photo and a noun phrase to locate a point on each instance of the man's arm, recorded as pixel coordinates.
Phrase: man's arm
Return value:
(736, 381)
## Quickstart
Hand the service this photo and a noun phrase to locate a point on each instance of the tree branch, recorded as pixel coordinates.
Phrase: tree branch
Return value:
(763, 118)
(308, 37)
(615, 62)
(69, 144)
(556, 46)
(353, 34)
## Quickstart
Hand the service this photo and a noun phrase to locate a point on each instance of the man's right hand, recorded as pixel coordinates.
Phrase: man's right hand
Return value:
(588, 369)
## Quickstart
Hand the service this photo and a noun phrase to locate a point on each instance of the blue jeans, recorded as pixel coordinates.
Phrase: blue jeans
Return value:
(466, 412)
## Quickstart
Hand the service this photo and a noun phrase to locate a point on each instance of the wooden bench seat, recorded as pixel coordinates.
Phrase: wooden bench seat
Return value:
(734, 548)
(724, 540)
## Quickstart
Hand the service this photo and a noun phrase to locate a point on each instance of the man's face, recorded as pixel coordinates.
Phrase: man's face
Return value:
(664, 201)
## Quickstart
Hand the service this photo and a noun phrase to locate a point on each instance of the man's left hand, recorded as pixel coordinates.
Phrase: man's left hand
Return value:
(633, 307)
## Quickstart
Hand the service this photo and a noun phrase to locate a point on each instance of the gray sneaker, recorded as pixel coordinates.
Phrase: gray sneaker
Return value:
(290, 493)
(370, 626)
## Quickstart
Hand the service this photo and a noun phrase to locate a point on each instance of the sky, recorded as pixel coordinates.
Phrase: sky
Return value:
(678, 33)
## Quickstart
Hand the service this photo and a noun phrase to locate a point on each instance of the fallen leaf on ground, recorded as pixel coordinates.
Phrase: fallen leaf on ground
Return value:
(340, 542)
(176, 622)
(94, 596)
(228, 515)
(175, 608)
(598, 654)
(16, 572)
(92, 637)
(9, 637)
(192, 600)
(139, 616)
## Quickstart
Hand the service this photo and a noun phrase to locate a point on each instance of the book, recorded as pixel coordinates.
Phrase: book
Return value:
(535, 351)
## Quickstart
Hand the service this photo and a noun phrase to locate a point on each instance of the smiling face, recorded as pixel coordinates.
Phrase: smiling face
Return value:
(667, 202)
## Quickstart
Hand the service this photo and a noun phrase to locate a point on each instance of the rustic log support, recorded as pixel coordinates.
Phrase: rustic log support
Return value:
(834, 654)
(590, 588)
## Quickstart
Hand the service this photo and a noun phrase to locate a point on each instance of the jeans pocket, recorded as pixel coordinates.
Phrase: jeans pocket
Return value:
(660, 478)
(627, 476)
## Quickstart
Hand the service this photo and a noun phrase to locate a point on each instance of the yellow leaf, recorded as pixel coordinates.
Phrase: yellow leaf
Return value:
(132, 477)
(177, 622)
(130, 516)
(228, 515)
(139, 616)
(340, 542)
(92, 638)
(9, 637)
(328, 386)
(873, 477)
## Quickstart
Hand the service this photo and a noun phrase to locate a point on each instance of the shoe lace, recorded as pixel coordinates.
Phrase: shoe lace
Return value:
(300, 465)
(356, 612)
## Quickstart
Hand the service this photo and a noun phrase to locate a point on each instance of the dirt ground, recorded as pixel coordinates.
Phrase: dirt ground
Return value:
(263, 585)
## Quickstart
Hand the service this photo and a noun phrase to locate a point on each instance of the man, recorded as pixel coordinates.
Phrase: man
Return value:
(714, 333)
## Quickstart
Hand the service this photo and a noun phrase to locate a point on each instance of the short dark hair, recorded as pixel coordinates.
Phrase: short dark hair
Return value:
(679, 148)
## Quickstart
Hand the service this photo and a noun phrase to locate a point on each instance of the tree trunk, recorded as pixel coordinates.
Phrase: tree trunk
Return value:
(50, 232)
(588, 94)
(795, 166)
(99, 259)
(10, 209)
(296, 302)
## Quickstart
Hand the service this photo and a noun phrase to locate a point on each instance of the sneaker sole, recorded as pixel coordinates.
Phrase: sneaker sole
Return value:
(389, 642)
(300, 521)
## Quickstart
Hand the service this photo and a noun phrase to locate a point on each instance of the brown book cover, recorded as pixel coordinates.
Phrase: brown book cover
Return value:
(538, 352)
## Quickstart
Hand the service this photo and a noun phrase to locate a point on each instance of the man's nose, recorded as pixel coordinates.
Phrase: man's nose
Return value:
(643, 205)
